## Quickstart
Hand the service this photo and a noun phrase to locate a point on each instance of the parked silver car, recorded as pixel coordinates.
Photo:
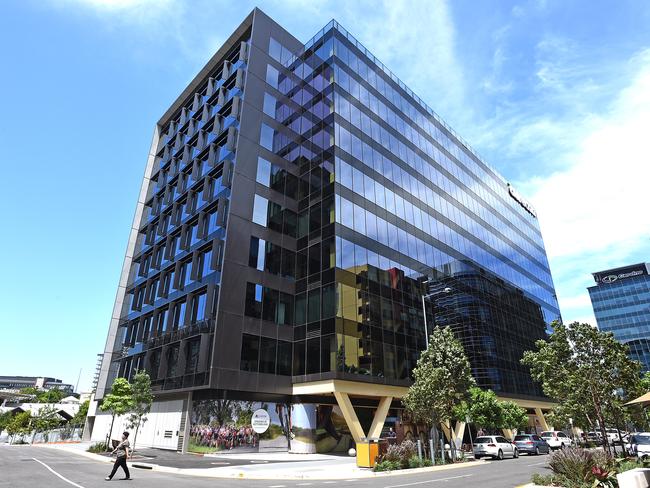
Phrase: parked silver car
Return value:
(531, 444)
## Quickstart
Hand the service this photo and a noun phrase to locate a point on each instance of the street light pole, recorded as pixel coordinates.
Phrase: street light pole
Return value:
(424, 314)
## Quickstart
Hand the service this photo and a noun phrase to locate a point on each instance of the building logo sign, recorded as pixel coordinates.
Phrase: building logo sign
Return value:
(260, 421)
(614, 275)
(612, 278)
(521, 200)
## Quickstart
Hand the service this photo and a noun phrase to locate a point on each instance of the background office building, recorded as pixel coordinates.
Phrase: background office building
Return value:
(42, 383)
(295, 199)
(621, 302)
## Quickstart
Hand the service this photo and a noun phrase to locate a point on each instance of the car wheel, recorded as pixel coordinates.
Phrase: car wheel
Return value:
(515, 454)
(477, 457)
(500, 455)
(537, 451)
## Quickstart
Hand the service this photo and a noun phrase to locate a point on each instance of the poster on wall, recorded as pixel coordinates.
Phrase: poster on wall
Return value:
(222, 425)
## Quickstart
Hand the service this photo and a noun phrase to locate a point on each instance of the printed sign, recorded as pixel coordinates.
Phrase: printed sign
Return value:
(260, 421)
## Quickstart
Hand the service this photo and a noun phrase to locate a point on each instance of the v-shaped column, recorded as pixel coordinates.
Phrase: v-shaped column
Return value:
(352, 420)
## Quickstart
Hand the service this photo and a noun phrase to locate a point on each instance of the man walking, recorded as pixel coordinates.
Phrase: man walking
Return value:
(122, 451)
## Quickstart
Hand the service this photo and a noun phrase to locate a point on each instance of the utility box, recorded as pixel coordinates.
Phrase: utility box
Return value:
(367, 452)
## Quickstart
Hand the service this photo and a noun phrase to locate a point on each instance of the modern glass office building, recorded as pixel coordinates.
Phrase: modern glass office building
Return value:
(621, 302)
(298, 202)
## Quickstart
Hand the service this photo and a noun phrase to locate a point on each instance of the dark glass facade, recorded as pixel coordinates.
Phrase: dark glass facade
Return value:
(297, 198)
(621, 302)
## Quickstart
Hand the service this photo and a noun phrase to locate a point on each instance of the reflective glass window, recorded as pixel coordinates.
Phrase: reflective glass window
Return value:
(253, 304)
(260, 209)
(267, 355)
(269, 105)
(250, 353)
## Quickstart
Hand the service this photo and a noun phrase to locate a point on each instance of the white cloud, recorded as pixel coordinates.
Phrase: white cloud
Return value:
(416, 40)
(593, 213)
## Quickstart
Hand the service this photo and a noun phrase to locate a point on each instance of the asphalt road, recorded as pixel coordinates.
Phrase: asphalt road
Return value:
(24, 466)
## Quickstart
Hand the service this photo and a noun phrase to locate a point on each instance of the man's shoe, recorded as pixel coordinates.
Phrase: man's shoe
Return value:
(107, 479)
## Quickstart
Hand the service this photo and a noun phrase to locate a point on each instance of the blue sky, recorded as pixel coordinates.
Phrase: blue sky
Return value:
(554, 94)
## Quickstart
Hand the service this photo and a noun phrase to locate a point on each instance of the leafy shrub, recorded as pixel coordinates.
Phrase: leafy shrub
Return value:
(388, 465)
(416, 462)
(576, 464)
(542, 480)
(577, 468)
(401, 453)
(98, 447)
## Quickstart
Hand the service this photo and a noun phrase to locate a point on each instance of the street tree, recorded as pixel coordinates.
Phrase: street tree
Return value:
(482, 408)
(5, 418)
(118, 402)
(20, 424)
(585, 371)
(142, 399)
(513, 416)
(442, 381)
(80, 417)
(46, 419)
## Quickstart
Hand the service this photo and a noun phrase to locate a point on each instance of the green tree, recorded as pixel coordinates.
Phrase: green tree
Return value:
(53, 395)
(584, 370)
(142, 399)
(80, 417)
(31, 391)
(513, 416)
(442, 380)
(20, 424)
(5, 418)
(482, 407)
(46, 420)
(118, 402)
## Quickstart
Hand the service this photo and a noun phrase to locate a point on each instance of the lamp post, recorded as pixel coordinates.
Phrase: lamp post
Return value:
(426, 335)
(424, 310)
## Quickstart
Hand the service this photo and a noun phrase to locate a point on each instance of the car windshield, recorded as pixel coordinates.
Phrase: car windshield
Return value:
(547, 434)
(483, 440)
(522, 438)
(642, 439)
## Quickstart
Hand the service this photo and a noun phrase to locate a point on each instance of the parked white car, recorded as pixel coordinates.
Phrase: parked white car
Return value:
(494, 446)
(556, 439)
(639, 444)
(613, 437)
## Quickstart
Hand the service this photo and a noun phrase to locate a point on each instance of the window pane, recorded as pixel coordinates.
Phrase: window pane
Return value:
(284, 358)
(269, 105)
(250, 351)
(313, 356)
(272, 75)
(260, 208)
(263, 172)
(299, 358)
(314, 306)
(267, 355)
(266, 137)
(253, 305)
(269, 304)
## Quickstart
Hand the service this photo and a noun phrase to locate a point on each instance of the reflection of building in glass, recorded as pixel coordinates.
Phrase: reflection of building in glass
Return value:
(296, 198)
(621, 302)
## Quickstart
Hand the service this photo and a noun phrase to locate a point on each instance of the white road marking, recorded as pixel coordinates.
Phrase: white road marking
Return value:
(329, 482)
(350, 480)
(304, 484)
(57, 474)
(277, 486)
(429, 481)
(537, 464)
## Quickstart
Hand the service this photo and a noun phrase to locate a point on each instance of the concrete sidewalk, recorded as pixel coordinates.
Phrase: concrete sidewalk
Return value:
(267, 466)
